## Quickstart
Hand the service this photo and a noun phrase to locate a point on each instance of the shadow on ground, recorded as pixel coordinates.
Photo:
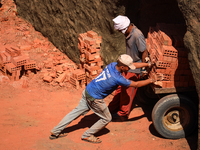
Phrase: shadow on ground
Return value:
(85, 122)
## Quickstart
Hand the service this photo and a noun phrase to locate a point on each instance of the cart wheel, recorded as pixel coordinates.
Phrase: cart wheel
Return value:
(146, 95)
(174, 116)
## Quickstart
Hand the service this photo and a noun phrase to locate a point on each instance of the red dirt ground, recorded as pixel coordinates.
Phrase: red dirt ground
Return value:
(28, 114)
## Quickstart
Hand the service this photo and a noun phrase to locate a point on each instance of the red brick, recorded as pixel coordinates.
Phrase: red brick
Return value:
(170, 51)
(174, 65)
(93, 49)
(79, 74)
(2, 57)
(10, 67)
(162, 64)
(174, 59)
(83, 82)
(92, 34)
(61, 77)
(20, 60)
(17, 75)
(30, 65)
(8, 56)
(13, 51)
(82, 36)
(92, 57)
(82, 60)
(170, 84)
(82, 50)
(98, 42)
(164, 38)
(81, 43)
(100, 63)
(166, 77)
(160, 70)
(25, 47)
(53, 74)
(167, 59)
(90, 41)
(94, 72)
(74, 82)
(99, 71)
(59, 69)
(47, 79)
(148, 45)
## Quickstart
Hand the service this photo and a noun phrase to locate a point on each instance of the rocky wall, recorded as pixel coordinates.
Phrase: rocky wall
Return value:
(63, 20)
(191, 12)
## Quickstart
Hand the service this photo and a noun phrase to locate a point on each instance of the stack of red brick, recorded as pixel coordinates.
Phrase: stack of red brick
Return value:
(166, 49)
(90, 57)
(14, 64)
(78, 78)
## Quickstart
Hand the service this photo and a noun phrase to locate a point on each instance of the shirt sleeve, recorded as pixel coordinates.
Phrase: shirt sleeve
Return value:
(123, 81)
(141, 43)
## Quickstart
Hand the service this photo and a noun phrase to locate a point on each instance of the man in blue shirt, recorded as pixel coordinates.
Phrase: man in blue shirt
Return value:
(94, 93)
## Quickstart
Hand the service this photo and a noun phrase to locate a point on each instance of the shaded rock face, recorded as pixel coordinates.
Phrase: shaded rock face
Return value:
(191, 12)
(63, 20)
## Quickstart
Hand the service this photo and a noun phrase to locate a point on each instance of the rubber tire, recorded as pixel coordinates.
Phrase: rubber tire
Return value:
(169, 102)
(146, 98)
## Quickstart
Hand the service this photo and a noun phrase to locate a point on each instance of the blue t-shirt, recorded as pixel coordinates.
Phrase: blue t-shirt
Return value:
(106, 82)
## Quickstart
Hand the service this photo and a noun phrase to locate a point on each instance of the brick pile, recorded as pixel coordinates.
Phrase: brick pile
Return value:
(166, 49)
(90, 57)
(57, 70)
(15, 64)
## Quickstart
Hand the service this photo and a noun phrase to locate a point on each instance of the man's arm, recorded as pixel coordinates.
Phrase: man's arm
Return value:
(141, 83)
(154, 77)
(140, 65)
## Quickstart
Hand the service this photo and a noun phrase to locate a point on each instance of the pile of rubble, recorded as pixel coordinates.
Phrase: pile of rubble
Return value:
(166, 49)
(25, 52)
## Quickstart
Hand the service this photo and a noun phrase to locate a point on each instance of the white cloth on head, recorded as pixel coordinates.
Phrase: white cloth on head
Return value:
(121, 23)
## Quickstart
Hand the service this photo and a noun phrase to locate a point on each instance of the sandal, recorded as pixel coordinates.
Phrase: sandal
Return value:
(52, 136)
(92, 139)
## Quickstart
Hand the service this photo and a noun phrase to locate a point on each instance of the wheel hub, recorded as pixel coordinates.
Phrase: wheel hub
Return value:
(173, 117)
(176, 119)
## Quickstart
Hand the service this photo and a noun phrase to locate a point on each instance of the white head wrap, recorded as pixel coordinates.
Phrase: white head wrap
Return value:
(121, 23)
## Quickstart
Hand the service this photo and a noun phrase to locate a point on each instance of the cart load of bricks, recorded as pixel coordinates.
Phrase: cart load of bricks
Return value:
(14, 64)
(89, 46)
(166, 50)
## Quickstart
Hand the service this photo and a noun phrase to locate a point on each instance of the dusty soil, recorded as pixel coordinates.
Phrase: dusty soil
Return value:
(28, 114)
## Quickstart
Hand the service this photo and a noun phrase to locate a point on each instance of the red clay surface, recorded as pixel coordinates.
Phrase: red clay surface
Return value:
(28, 114)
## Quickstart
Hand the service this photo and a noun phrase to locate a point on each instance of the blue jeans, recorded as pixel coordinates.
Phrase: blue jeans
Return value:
(98, 106)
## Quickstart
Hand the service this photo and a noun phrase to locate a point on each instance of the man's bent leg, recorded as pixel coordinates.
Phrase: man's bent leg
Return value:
(99, 107)
(81, 109)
